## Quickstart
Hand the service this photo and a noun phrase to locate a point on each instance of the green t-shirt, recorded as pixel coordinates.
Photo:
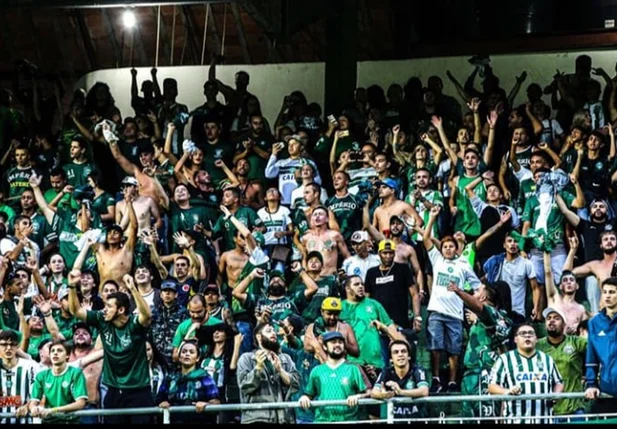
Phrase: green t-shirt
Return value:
(33, 345)
(257, 163)
(348, 213)
(125, 365)
(185, 220)
(299, 220)
(359, 316)
(410, 174)
(227, 229)
(466, 219)
(258, 259)
(221, 150)
(555, 224)
(10, 318)
(40, 230)
(67, 200)
(184, 327)
(327, 287)
(77, 174)
(100, 203)
(60, 390)
(488, 337)
(17, 180)
(569, 356)
(281, 307)
(335, 383)
(65, 225)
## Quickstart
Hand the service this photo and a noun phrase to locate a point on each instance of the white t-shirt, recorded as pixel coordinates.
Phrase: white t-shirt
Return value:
(446, 271)
(356, 266)
(516, 273)
(275, 222)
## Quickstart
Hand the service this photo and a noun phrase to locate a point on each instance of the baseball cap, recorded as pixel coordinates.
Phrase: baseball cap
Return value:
(277, 273)
(315, 254)
(210, 287)
(292, 137)
(331, 304)
(332, 335)
(359, 237)
(549, 310)
(390, 183)
(386, 245)
(169, 285)
(129, 180)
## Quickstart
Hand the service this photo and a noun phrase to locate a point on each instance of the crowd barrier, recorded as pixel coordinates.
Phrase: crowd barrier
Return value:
(436, 399)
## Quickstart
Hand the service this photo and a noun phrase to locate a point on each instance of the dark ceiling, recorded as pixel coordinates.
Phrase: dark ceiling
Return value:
(72, 37)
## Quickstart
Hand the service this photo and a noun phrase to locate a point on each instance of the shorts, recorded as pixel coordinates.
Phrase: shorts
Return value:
(444, 333)
(558, 260)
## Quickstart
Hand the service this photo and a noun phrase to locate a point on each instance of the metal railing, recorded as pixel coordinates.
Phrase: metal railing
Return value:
(166, 412)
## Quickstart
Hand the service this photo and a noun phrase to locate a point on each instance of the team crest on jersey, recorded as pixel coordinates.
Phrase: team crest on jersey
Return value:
(345, 381)
(65, 384)
(569, 349)
(450, 270)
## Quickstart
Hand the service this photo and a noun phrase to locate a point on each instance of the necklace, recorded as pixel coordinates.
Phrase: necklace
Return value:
(387, 272)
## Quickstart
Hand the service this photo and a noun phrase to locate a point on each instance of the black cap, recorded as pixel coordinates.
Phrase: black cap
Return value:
(332, 335)
(169, 285)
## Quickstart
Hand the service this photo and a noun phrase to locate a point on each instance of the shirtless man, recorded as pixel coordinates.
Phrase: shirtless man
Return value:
(251, 191)
(602, 268)
(114, 258)
(232, 262)
(149, 186)
(391, 206)
(574, 312)
(82, 347)
(325, 241)
(145, 208)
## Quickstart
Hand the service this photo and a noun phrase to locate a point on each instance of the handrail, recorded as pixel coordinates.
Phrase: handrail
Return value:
(326, 403)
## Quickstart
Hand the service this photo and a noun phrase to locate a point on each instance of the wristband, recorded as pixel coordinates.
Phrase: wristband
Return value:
(47, 314)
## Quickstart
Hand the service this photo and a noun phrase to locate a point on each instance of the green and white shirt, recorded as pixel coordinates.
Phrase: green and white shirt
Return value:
(16, 387)
(536, 374)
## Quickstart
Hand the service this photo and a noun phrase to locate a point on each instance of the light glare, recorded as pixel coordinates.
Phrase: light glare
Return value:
(129, 19)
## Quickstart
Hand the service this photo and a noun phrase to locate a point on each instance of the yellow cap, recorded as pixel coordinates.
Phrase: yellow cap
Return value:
(386, 245)
(332, 304)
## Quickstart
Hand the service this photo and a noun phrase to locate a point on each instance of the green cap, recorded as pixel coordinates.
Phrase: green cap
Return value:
(277, 273)
(259, 238)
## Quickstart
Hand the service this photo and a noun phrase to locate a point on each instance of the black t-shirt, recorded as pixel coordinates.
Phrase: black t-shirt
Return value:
(391, 289)
(494, 244)
(590, 237)
(415, 377)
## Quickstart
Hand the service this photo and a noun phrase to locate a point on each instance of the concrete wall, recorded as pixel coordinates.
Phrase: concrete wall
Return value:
(271, 82)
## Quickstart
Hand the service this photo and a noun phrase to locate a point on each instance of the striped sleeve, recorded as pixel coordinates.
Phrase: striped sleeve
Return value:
(555, 376)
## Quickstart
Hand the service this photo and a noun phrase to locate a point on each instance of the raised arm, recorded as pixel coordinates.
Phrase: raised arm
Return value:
(570, 216)
(491, 119)
(549, 283)
(504, 219)
(74, 307)
(133, 225)
(143, 309)
(35, 182)
(459, 88)
(126, 165)
(426, 237)
(516, 88)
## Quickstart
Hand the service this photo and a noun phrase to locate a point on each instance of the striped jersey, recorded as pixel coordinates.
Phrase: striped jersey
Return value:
(16, 387)
(536, 374)
(285, 169)
(274, 222)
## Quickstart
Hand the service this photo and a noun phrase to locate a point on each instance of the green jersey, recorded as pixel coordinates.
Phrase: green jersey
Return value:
(569, 356)
(65, 225)
(299, 220)
(125, 365)
(59, 390)
(33, 345)
(359, 316)
(410, 174)
(433, 197)
(282, 307)
(77, 174)
(102, 201)
(212, 152)
(41, 230)
(186, 220)
(327, 287)
(67, 200)
(348, 213)
(18, 181)
(335, 382)
(554, 226)
(466, 219)
(184, 327)
(488, 337)
(526, 191)
(226, 229)
(534, 374)
(257, 165)
(258, 259)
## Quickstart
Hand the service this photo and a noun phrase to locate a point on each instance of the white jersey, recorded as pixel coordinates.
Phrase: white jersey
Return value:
(446, 271)
(16, 387)
(285, 169)
(275, 222)
(537, 374)
(356, 266)
(358, 176)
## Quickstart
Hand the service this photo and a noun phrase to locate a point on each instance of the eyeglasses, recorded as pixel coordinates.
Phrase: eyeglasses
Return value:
(7, 345)
(526, 334)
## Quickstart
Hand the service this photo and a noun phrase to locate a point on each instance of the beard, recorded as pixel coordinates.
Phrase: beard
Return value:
(553, 333)
(609, 251)
(276, 290)
(273, 346)
(598, 215)
(336, 354)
